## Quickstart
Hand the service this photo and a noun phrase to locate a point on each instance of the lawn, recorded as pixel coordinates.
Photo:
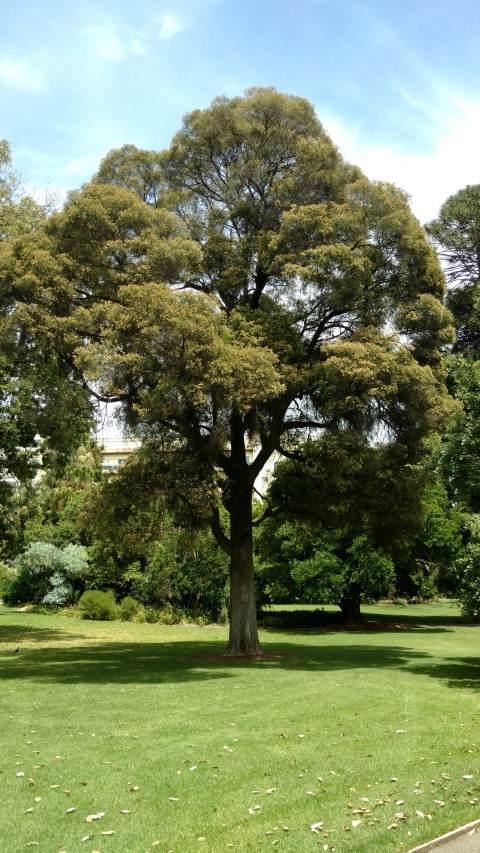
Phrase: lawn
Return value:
(371, 735)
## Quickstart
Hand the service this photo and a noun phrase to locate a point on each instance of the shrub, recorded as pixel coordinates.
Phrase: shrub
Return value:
(129, 608)
(45, 574)
(7, 576)
(38, 563)
(95, 604)
(469, 566)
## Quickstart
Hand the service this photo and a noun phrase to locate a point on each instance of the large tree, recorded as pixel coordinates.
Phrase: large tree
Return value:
(281, 294)
(35, 392)
(456, 234)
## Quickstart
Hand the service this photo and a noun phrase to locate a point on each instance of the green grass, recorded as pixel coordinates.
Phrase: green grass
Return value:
(105, 717)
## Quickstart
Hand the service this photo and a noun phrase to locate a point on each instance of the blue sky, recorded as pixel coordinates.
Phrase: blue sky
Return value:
(395, 82)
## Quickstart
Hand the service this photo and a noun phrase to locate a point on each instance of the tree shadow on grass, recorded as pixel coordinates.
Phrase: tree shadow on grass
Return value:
(197, 660)
(18, 634)
(157, 663)
(457, 672)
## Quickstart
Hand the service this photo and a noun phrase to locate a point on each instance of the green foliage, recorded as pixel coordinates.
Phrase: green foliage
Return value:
(47, 574)
(134, 169)
(140, 549)
(301, 561)
(7, 576)
(456, 232)
(56, 506)
(19, 213)
(129, 608)
(357, 519)
(461, 448)
(35, 567)
(425, 558)
(99, 605)
(468, 567)
(247, 300)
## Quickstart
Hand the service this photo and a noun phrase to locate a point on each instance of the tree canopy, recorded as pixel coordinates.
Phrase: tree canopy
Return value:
(270, 291)
(456, 233)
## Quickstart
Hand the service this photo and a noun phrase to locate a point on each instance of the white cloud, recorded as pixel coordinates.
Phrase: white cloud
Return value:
(138, 46)
(428, 177)
(168, 26)
(80, 166)
(106, 42)
(22, 74)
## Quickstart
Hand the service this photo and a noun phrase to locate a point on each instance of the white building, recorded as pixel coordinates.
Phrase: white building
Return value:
(116, 450)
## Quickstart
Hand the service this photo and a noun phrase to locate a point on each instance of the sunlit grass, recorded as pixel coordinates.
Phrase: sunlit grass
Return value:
(148, 719)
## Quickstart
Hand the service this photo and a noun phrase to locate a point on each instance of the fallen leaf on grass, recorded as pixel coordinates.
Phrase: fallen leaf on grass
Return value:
(316, 826)
(20, 774)
(174, 799)
(124, 811)
(468, 776)
(69, 811)
(356, 823)
(134, 788)
(29, 811)
(108, 832)
(92, 817)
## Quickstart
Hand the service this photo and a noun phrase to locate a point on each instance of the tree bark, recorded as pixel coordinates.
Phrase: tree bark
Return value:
(243, 638)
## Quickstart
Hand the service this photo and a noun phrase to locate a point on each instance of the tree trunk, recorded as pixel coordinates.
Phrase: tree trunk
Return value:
(350, 606)
(243, 639)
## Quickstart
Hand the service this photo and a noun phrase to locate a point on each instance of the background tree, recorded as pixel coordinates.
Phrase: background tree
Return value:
(36, 396)
(19, 213)
(456, 233)
(135, 169)
(342, 504)
(294, 286)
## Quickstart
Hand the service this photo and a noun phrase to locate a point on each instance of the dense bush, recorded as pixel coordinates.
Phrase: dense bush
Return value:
(184, 569)
(129, 608)
(34, 569)
(95, 604)
(468, 566)
(46, 574)
(7, 576)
